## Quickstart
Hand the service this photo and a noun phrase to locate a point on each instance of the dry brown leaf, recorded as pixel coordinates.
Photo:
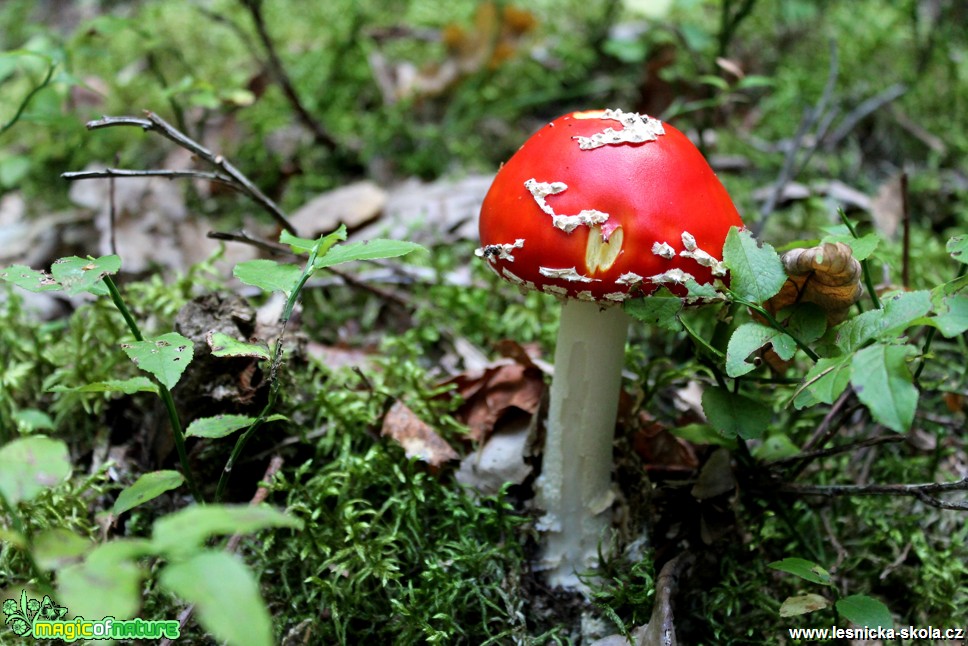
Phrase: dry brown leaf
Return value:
(827, 275)
(416, 437)
(660, 450)
(502, 388)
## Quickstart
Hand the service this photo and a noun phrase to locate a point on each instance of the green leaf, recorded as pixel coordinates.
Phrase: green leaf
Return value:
(828, 378)
(899, 312)
(702, 434)
(701, 293)
(31, 465)
(269, 275)
(189, 528)
(57, 548)
(100, 588)
(30, 279)
(862, 610)
(305, 245)
(222, 425)
(802, 604)
(31, 419)
(883, 383)
(746, 339)
(126, 386)
(147, 487)
(861, 248)
(776, 447)
(735, 415)
(78, 275)
(952, 315)
(223, 345)
(660, 310)
(808, 322)
(756, 273)
(804, 569)
(904, 309)
(226, 597)
(368, 250)
(958, 248)
(165, 357)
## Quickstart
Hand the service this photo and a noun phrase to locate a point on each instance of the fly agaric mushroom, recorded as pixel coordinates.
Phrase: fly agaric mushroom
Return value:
(595, 208)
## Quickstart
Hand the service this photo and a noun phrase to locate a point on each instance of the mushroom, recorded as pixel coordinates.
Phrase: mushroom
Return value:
(595, 208)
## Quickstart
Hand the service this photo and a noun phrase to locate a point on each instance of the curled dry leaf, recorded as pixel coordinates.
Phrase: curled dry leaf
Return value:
(498, 390)
(660, 450)
(827, 275)
(416, 437)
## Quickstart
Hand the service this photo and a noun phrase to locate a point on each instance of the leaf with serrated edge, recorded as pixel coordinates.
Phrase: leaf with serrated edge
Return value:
(165, 357)
(368, 250)
(30, 279)
(269, 275)
(735, 415)
(148, 487)
(126, 386)
(223, 345)
(305, 245)
(952, 317)
(756, 273)
(883, 383)
(78, 275)
(746, 339)
(658, 310)
(958, 248)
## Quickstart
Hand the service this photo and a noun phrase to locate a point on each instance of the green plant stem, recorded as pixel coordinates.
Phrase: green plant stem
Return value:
(865, 266)
(177, 431)
(308, 270)
(30, 95)
(125, 312)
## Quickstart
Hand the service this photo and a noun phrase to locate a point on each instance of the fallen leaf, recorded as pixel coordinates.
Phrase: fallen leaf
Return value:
(660, 450)
(417, 438)
(501, 388)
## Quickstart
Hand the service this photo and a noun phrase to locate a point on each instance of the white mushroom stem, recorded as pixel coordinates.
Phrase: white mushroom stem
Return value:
(575, 487)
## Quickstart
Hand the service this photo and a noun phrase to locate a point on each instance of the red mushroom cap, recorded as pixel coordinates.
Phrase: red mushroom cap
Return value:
(598, 205)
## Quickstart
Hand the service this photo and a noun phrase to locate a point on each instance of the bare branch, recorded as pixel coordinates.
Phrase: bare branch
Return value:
(167, 174)
(922, 491)
(834, 450)
(229, 175)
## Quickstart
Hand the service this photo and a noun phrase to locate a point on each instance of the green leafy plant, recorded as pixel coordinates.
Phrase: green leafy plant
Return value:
(860, 609)
(101, 580)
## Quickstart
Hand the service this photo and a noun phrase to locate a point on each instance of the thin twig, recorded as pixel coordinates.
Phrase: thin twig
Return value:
(281, 77)
(275, 464)
(921, 491)
(152, 122)
(166, 174)
(835, 450)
